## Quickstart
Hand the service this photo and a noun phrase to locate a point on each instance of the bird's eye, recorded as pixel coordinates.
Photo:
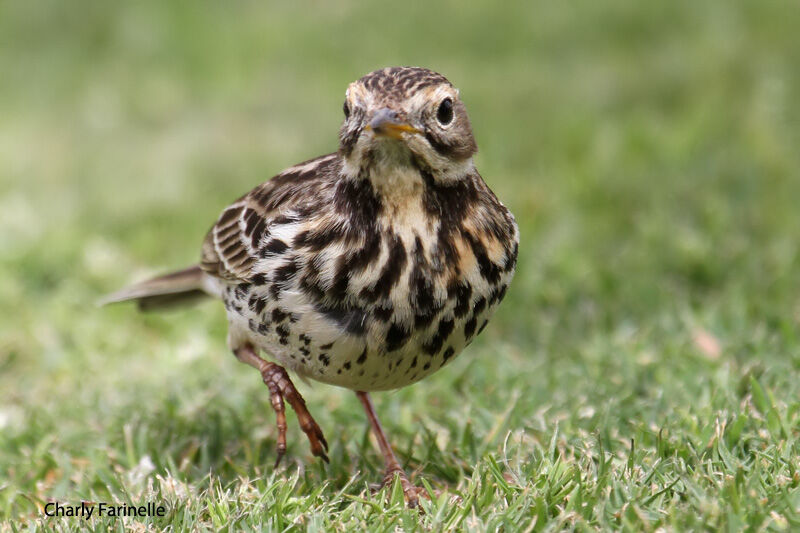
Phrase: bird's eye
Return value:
(346, 109)
(445, 112)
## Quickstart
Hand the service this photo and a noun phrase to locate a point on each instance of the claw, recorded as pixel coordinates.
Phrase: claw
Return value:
(278, 460)
(318, 443)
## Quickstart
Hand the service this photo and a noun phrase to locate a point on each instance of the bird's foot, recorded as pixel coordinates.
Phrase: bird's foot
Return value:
(281, 388)
(393, 468)
(411, 491)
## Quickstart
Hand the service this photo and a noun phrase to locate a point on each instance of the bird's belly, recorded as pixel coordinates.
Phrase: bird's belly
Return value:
(369, 348)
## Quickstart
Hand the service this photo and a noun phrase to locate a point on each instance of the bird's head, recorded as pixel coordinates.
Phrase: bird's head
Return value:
(406, 116)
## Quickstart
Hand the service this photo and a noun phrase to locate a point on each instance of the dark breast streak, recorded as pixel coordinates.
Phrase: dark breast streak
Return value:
(423, 303)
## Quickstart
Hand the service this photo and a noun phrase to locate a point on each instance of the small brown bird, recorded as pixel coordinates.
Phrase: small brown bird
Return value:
(369, 268)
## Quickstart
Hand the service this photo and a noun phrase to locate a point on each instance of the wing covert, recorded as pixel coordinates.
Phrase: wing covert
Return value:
(238, 239)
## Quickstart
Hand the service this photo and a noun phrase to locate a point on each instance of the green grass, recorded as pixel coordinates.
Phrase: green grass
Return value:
(643, 372)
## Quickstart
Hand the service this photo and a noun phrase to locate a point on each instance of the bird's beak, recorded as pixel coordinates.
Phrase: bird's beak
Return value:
(386, 123)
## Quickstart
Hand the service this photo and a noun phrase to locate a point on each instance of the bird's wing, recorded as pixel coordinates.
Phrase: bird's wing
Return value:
(253, 227)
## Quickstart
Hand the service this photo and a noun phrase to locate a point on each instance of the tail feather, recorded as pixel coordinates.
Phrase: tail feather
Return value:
(171, 290)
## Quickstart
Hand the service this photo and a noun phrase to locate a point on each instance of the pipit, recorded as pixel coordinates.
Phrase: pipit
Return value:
(369, 268)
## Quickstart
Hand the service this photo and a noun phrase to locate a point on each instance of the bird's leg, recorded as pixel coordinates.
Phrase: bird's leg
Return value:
(277, 375)
(393, 467)
(280, 388)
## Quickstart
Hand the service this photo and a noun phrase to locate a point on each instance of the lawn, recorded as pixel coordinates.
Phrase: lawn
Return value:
(642, 373)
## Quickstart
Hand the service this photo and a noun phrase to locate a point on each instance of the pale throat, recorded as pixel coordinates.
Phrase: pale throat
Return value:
(395, 166)
(396, 176)
(397, 180)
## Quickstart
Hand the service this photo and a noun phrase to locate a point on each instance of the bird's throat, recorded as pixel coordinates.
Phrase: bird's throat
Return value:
(399, 187)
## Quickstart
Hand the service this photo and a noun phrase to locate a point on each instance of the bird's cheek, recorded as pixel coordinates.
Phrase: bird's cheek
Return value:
(419, 146)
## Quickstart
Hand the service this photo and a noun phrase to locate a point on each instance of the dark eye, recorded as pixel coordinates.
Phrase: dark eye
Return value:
(445, 112)
(346, 109)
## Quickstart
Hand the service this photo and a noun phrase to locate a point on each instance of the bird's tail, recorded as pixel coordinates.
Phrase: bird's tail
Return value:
(170, 290)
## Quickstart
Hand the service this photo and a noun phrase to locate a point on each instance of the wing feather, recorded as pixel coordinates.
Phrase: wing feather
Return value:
(235, 243)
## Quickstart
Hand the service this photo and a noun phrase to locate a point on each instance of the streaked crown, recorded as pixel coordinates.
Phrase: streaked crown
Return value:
(401, 82)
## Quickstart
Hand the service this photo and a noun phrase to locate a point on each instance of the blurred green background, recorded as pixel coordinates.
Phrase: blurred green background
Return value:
(642, 372)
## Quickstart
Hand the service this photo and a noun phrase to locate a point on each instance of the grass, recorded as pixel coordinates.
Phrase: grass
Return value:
(642, 373)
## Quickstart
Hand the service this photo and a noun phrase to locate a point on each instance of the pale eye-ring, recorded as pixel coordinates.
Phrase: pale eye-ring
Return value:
(346, 109)
(445, 112)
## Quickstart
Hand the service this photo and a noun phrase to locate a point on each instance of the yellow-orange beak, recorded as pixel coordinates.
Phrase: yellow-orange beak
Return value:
(386, 123)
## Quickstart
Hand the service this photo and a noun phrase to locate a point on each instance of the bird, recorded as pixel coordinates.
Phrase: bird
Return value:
(369, 268)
